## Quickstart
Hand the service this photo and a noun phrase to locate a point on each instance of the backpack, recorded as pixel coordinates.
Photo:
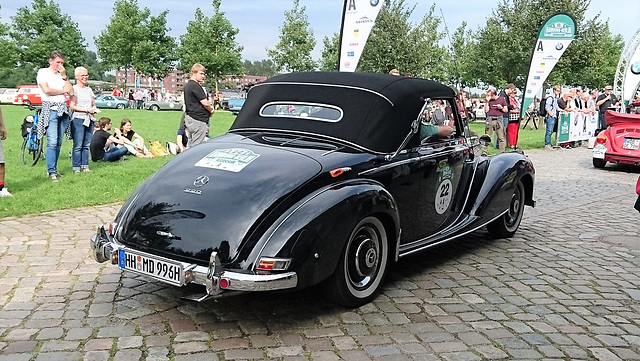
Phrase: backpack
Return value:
(542, 111)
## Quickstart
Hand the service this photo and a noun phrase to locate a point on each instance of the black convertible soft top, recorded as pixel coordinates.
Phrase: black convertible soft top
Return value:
(378, 108)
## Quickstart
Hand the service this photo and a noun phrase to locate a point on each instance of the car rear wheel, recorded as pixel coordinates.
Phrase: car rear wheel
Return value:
(362, 265)
(599, 163)
(507, 224)
(26, 103)
(120, 106)
(155, 108)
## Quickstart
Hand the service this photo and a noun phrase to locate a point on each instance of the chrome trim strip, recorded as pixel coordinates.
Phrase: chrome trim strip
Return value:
(427, 246)
(427, 156)
(206, 276)
(329, 86)
(306, 134)
(284, 102)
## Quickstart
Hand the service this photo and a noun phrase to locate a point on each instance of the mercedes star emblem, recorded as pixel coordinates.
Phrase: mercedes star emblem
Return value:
(200, 181)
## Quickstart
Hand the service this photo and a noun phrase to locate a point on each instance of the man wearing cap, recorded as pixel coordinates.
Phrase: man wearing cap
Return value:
(604, 102)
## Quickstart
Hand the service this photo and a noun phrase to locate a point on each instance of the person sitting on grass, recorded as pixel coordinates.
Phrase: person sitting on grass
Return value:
(103, 144)
(132, 140)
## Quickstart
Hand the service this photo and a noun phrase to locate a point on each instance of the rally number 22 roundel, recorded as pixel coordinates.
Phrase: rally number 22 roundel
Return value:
(444, 189)
(443, 196)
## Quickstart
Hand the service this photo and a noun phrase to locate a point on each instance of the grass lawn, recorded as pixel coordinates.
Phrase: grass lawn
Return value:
(32, 190)
(527, 138)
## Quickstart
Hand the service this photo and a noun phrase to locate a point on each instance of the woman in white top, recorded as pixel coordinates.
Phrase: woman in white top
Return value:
(84, 107)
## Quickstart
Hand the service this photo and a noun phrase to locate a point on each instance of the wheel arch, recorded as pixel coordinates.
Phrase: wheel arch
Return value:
(527, 182)
(315, 230)
(494, 182)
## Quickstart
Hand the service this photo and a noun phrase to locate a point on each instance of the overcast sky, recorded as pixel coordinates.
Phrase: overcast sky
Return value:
(259, 20)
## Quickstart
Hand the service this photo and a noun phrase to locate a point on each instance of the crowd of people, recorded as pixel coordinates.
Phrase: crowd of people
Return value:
(64, 104)
(503, 111)
(576, 100)
(71, 109)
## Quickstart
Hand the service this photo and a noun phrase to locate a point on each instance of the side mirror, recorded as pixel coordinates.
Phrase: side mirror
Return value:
(485, 140)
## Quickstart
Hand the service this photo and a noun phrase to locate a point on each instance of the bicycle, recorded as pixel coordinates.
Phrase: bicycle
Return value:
(31, 150)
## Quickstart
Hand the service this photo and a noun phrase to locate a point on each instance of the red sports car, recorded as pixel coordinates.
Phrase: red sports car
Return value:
(619, 142)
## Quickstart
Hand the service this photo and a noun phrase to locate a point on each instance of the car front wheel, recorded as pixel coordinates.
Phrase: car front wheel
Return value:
(120, 106)
(507, 224)
(155, 108)
(362, 265)
(599, 163)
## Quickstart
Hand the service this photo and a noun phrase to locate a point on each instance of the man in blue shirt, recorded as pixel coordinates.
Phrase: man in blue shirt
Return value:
(551, 106)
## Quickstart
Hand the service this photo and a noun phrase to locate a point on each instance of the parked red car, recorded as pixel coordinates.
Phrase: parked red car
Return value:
(619, 142)
(28, 94)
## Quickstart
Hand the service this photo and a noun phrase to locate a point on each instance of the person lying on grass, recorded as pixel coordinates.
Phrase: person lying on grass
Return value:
(104, 145)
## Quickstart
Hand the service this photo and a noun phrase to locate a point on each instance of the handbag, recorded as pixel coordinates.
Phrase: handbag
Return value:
(156, 148)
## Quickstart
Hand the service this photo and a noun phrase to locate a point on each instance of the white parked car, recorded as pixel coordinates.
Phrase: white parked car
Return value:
(7, 95)
(479, 111)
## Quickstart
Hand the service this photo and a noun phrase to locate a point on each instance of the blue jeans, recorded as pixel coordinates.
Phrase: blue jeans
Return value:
(550, 123)
(114, 154)
(55, 132)
(81, 140)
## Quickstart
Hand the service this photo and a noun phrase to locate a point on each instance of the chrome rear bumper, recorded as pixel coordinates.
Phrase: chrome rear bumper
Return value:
(216, 280)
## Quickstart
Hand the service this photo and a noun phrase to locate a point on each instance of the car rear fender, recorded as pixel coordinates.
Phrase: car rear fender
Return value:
(313, 232)
(495, 181)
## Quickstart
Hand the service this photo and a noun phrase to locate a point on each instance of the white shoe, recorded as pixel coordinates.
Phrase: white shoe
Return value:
(5, 193)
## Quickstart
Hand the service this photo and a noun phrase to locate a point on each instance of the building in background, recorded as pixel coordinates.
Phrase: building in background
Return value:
(176, 79)
(243, 81)
(172, 83)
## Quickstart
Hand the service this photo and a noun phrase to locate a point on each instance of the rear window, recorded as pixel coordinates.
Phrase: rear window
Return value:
(308, 111)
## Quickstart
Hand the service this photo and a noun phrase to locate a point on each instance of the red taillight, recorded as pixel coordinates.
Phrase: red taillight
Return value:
(266, 265)
(112, 228)
(601, 139)
(273, 264)
(224, 283)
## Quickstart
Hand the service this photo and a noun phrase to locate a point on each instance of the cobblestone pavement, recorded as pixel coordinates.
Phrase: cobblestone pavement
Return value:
(567, 286)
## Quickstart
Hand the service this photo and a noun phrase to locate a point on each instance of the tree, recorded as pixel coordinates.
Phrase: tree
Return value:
(260, 67)
(8, 49)
(396, 43)
(155, 55)
(211, 41)
(43, 28)
(462, 56)
(511, 32)
(330, 51)
(96, 72)
(293, 52)
(136, 40)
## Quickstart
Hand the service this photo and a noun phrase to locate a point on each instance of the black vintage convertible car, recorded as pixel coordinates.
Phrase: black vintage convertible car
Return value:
(324, 178)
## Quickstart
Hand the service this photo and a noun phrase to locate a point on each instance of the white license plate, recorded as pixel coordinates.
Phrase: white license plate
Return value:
(599, 151)
(154, 267)
(631, 143)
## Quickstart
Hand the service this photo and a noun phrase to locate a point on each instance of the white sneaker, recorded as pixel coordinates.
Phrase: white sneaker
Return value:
(5, 193)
